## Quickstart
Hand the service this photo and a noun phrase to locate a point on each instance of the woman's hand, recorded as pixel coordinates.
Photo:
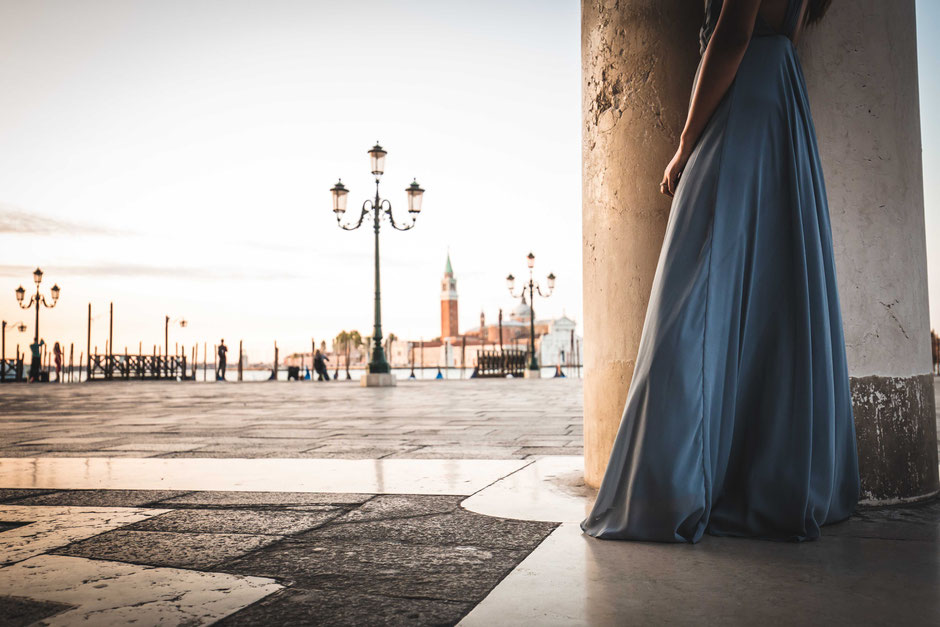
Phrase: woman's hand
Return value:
(674, 171)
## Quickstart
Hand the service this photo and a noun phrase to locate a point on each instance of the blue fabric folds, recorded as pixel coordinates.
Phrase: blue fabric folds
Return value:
(739, 419)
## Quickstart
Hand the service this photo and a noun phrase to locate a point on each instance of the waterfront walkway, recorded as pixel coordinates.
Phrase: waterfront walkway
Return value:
(430, 503)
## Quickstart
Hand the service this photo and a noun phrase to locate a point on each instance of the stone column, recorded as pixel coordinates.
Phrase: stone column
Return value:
(638, 59)
(861, 70)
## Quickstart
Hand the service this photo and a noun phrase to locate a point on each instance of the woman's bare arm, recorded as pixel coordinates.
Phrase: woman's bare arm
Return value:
(719, 66)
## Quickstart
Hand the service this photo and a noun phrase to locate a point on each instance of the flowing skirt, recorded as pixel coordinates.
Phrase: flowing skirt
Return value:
(739, 419)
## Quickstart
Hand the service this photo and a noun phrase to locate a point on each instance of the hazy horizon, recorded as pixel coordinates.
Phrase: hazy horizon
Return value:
(176, 158)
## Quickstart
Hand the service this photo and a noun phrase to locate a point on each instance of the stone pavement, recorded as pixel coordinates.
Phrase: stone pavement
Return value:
(469, 419)
(431, 503)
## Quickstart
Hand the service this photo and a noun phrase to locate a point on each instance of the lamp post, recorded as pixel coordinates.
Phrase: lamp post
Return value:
(379, 374)
(166, 340)
(533, 287)
(35, 300)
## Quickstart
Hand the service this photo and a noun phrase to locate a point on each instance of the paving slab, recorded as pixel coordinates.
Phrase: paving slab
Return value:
(463, 574)
(264, 499)
(100, 498)
(457, 528)
(302, 607)
(236, 521)
(383, 476)
(574, 579)
(19, 612)
(196, 551)
(385, 506)
(98, 592)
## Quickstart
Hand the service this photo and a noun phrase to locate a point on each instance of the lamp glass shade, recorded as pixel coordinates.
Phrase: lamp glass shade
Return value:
(37, 276)
(415, 195)
(551, 280)
(183, 323)
(377, 159)
(21, 327)
(55, 292)
(339, 193)
(530, 259)
(510, 282)
(20, 294)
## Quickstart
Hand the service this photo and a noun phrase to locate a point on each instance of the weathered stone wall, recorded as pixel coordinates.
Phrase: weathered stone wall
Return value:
(861, 70)
(638, 60)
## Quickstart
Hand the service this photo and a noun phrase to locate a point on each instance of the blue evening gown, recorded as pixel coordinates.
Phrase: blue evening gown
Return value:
(738, 419)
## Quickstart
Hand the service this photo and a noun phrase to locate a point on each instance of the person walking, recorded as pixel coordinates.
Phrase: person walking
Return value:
(220, 372)
(752, 434)
(57, 356)
(319, 365)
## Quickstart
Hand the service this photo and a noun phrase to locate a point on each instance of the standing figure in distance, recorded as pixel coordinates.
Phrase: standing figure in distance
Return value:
(738, 419)
(220, 373)
(57, 355)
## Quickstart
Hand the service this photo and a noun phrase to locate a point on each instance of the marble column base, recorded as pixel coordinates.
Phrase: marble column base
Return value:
(896, 429)
(533, 374)
(378, 380)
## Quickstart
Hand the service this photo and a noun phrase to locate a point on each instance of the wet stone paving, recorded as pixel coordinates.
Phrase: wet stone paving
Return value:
(433, 503)
(294, 558)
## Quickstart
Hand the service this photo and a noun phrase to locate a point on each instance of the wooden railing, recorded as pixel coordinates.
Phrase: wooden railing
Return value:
(127, 367)
(501, 363)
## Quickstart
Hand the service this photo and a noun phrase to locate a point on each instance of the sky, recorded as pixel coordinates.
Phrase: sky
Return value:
(175, 158)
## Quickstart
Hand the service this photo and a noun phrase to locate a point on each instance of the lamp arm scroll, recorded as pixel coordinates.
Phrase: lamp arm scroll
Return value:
(386, 206)
(366, 207)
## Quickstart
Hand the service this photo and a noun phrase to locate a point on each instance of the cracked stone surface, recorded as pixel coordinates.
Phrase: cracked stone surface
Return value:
(197, 551)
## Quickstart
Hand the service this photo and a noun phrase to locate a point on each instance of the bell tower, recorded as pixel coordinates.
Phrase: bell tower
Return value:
(448, 302)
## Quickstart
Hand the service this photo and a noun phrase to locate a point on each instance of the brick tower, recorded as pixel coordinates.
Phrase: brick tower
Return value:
(448, 302)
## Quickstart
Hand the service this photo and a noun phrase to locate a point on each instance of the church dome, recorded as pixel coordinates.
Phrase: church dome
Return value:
(522, 311)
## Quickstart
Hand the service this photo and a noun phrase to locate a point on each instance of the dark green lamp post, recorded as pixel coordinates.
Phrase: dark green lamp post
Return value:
(377, 207)
(532, 288)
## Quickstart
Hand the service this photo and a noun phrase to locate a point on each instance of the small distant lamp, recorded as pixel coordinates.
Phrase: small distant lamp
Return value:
(339, 192)
(415, 194)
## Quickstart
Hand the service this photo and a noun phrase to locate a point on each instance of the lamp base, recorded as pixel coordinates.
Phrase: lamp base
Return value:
(378, 380)
(533, 374)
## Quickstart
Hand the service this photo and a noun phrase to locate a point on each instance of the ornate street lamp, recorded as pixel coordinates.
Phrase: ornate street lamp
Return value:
(533, 288)
(36, 299)
(377, 207)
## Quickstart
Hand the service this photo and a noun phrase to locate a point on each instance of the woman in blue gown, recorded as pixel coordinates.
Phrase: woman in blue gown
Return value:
(738, 420)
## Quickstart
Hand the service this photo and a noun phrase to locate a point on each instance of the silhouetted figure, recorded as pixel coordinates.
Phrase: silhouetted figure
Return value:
(319, 365)
(57, 355)
(35, 366)
(220, 373)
